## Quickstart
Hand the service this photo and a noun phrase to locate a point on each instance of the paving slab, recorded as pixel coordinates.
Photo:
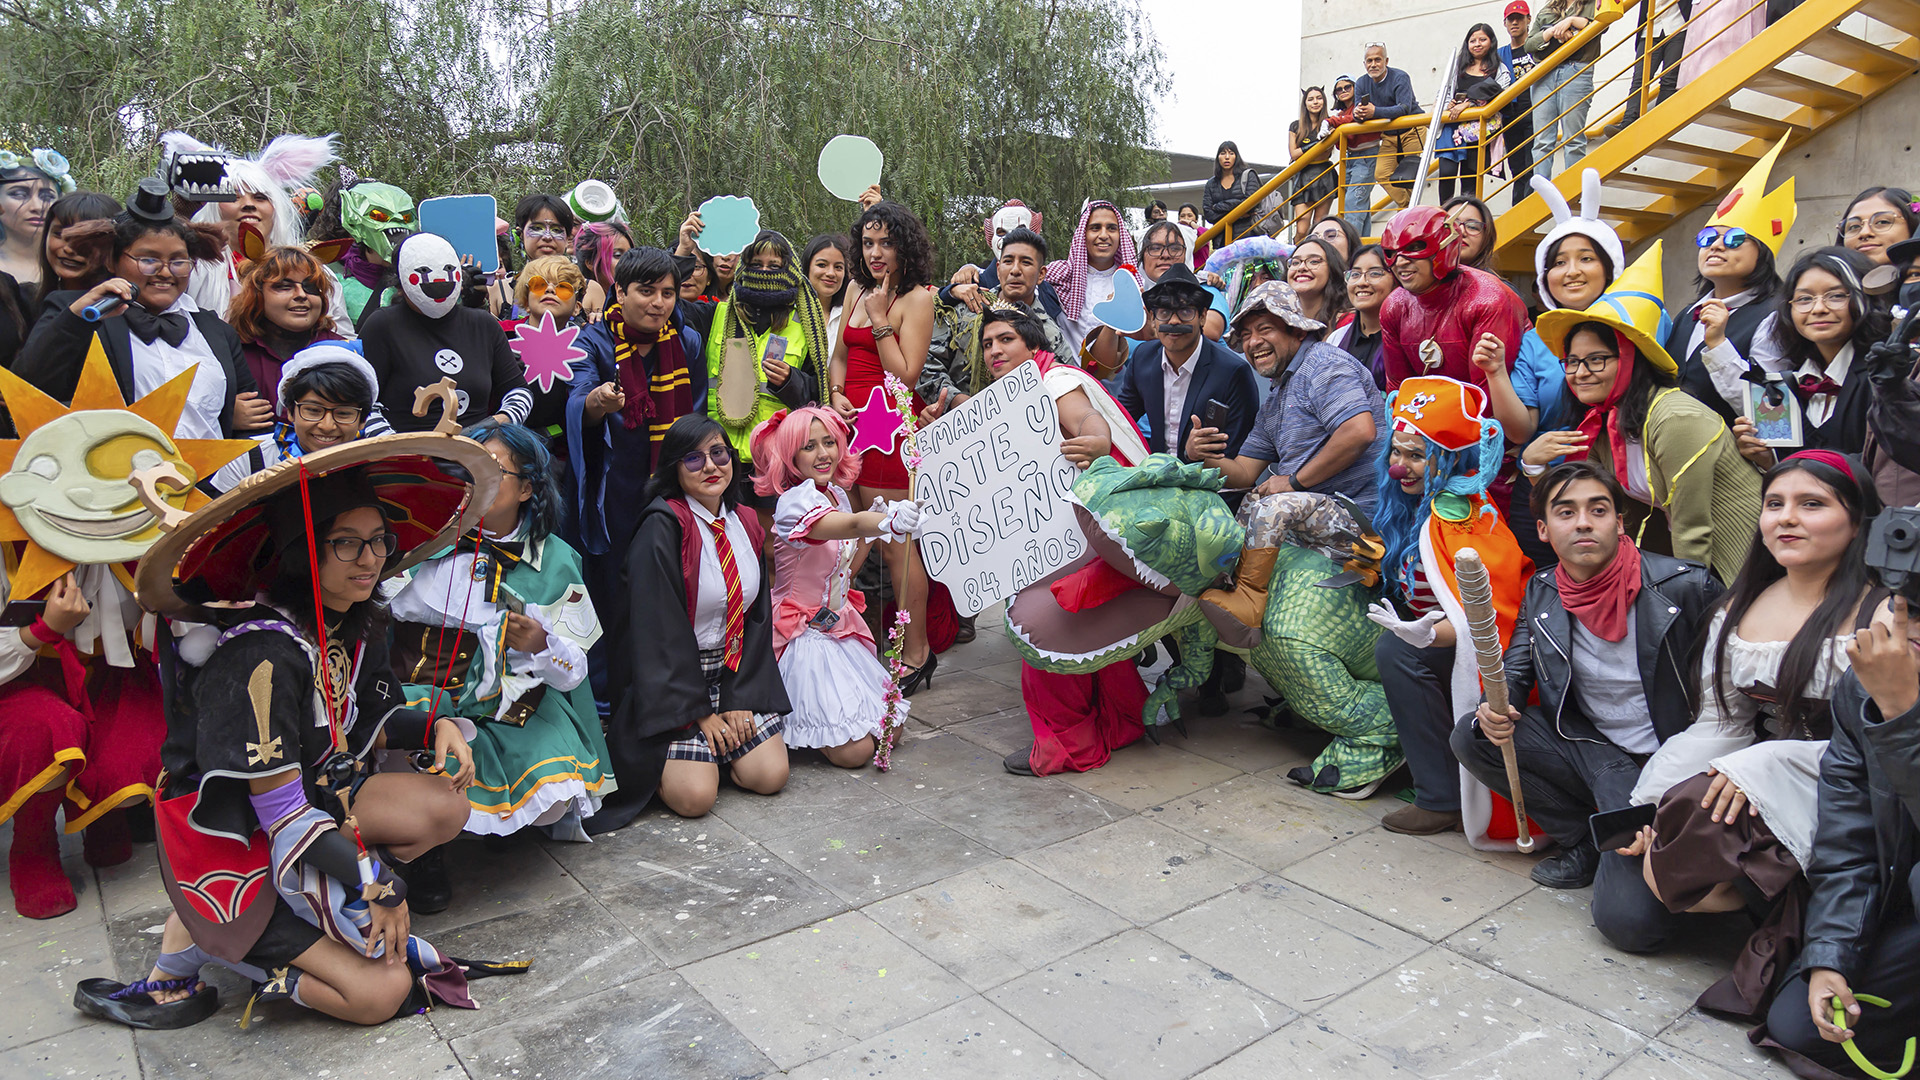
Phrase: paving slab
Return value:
(1288, 942)
(94, 1052)
(1144, 775)
(820, 988)
(283, 1037)
(995, 922)
(1659, 1062)
(865, 859)
(816, 794)
(1448, 1018)
(741, 896)
(1303, 1050)
(1547, 940)
(1012, 814)
(1270, 825)
(1244, 743)
(1407, 882)
(936, 765)
(491, 880)
(1131, 1008)
(577, 950)
(134, 885)
(1006, 674)
(1703, 1036)
(1141, 869)
(962, 695)
(41, 975)
(658, 840)
(1001, 732)
(970, 1038)
(655, 1027)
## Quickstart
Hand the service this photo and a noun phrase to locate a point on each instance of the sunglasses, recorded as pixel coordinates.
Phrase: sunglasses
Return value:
(1731, 239)
(539, 286)
(697, 461)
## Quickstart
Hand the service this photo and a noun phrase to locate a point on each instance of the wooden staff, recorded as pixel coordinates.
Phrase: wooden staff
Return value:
(1476, 595)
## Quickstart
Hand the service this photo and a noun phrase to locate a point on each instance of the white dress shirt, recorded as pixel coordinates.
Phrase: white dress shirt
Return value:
(1174, 383)
(1099, 291)
(155, 363)
(710, 607)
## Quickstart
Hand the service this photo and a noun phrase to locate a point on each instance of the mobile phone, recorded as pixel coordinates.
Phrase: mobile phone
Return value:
(1366, 99)
(1216, 414)
(1614, 829)
(22, 612)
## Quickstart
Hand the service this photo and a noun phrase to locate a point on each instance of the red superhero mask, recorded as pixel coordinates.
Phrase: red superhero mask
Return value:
(1424, 232)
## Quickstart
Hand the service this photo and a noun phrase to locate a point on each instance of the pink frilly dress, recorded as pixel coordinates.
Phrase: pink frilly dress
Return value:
(827, 658)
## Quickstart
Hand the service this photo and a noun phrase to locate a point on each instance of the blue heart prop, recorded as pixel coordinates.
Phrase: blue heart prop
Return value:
(1126, 312)
(728, 223)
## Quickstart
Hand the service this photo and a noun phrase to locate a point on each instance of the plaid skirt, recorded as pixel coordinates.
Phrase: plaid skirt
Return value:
(694, 747)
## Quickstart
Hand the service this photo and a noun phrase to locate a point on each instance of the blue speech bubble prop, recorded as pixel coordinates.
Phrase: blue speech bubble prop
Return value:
(1126, 312)
(728, 223)
(849, 165)
(466, 222)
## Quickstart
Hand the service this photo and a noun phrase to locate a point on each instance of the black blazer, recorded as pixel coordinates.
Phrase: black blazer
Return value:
(1694, 378)
(52, 357)
(1218, 373)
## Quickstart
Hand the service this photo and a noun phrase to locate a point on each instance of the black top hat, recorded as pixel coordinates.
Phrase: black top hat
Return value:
(151, 201)
(1177, 284)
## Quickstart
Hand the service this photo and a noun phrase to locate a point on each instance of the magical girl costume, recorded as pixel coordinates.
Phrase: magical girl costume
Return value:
(258, 879)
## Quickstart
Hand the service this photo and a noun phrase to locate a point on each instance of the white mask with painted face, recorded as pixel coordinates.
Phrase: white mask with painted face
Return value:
(1007, 219)
(430, 275)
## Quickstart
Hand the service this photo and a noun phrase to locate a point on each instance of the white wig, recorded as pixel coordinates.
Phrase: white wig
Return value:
(289, 161)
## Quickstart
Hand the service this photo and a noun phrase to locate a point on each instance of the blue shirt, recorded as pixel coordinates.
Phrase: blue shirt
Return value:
(1541, 383)
(1325, 388)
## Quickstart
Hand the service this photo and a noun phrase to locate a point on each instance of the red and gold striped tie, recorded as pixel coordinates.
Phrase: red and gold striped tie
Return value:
(736, 603)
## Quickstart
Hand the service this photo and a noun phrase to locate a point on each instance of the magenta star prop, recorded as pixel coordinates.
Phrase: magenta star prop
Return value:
(547, 353)
(877, 426)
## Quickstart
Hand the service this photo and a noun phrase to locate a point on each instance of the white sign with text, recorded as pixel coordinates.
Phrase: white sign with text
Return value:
(992, 489)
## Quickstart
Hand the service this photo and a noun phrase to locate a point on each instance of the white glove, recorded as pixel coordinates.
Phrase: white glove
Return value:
(902, 517)
(1418, 633)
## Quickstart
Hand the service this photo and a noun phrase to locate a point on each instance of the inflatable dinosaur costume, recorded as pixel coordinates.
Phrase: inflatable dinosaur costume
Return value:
(1159, 535)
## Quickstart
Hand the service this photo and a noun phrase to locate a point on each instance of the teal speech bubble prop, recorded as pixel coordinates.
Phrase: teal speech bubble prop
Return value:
(728, 223)
(849, 165)
(466, 222)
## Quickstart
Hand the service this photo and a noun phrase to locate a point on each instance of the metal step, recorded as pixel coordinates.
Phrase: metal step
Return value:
(1904, 14)
(1802, 90)
(1842, 49)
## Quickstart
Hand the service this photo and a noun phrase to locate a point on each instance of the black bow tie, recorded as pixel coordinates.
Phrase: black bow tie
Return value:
(492, 554)
(146, 325)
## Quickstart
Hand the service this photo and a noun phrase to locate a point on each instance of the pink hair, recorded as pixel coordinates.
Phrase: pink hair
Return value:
(776, 441)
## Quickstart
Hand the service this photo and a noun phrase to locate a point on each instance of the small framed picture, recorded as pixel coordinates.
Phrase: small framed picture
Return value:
(1775, 411)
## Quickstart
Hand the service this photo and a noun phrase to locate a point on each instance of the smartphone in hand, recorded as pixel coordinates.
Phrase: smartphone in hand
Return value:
(1615, 829)
(1216, 414)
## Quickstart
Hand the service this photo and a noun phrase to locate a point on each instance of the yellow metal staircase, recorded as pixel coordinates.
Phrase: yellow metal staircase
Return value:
(1819, 63)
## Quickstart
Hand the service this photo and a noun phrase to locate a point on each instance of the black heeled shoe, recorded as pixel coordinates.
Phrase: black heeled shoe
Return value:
(918, 677)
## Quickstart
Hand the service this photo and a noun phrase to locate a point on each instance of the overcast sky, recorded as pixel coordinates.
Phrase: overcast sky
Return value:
(1235, 67)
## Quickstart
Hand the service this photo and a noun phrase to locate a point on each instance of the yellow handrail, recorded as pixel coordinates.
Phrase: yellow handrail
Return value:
(1605, 14)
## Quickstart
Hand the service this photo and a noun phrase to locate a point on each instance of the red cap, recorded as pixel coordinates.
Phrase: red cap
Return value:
(1518, 7)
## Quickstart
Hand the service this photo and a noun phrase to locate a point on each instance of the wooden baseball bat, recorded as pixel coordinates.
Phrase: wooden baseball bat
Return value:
(1476, 595)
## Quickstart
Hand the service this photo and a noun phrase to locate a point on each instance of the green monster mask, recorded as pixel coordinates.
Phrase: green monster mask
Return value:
(379, 216)
(1159, 535)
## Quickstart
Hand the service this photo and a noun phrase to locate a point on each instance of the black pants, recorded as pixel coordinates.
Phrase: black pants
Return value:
(1891, 971)
(1518, 134)
(1448, 170)
(1566, 781)
(1667, 52)
(1419, 690)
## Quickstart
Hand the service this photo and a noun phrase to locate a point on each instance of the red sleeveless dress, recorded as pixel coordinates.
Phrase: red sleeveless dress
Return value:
(864, 372)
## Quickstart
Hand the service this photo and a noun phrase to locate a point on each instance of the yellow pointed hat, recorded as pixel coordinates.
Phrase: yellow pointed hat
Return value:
(1631, 305)
(1767, 216)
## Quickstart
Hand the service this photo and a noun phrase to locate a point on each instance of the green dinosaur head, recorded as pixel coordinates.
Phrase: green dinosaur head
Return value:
(378, 215)
(1158, 534)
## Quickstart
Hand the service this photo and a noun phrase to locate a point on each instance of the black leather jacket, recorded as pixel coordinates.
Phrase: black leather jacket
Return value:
(1676, 600)
(1864, 847)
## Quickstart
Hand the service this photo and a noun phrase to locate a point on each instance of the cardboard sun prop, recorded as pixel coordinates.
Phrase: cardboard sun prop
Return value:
(65, 483)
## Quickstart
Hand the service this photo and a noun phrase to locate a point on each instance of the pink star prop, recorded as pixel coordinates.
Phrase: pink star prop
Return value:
(877, 426)
(547, 353)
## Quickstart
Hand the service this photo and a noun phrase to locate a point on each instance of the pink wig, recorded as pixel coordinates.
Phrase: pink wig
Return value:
(593, 250)
(782, 435)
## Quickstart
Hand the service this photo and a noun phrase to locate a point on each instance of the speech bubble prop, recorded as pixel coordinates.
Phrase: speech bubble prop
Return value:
(466, 222)
(548, 353)
(1125, 312)
(992, 488)
(728, 223)
(849, 165)
(878, 425)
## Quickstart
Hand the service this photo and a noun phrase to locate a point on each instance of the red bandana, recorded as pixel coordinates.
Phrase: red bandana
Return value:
(1604, 602)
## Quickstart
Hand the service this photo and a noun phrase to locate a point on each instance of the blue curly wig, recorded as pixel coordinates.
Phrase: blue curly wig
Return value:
(1399, 516)
(541, 512)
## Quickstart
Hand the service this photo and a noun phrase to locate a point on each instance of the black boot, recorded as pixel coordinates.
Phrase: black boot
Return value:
(428, 890)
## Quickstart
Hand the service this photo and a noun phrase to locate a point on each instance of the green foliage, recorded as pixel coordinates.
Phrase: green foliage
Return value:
(670, 101)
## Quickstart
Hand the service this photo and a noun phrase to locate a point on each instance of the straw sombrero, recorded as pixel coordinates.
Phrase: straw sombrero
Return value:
(1632, 305)
(433, 487)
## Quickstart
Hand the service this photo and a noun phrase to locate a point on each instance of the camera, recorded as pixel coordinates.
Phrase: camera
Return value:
(1893, 549)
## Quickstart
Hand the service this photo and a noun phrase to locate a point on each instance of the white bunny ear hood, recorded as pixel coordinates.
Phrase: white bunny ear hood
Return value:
(1587, 224)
